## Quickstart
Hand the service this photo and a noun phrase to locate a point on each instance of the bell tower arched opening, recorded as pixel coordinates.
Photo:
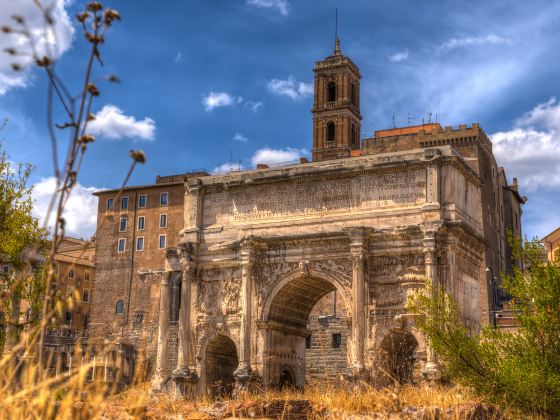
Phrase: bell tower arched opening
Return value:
(293, 333)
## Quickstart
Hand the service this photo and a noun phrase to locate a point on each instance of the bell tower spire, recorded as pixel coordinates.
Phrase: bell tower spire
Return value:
(336, 107)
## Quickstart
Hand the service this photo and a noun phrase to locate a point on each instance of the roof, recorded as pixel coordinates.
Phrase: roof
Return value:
(555, 234)
(413, 129)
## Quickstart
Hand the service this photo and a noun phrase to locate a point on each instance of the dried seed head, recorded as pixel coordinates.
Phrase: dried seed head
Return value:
(92, 89)
(138, 156)
(6, 29)
(19, 19)
(90, 117)
(11, 51)
(16, 67)
(109, 15)
(82, 17)
(43, 62)
(86, 138)
(94, 6)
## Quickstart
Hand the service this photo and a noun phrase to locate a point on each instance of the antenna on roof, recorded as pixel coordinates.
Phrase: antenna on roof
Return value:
(411, 118)
(394, 123)
(429, 116)
(335, 24)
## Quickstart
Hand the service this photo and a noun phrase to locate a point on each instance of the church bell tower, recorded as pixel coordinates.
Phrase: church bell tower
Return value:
(336, 108)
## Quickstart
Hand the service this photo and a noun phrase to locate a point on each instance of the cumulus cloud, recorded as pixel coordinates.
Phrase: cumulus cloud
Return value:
(240, 137)
(45, 41)
(290, 88)
(111, 123)
(217, 100)
(465, 41)
(252, 105)
(281, 6)
(399, 56)
(531, 150)
(80, 212)
(276, 156)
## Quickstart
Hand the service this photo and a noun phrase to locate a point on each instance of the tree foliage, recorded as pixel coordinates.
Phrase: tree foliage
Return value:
(520, 368)
(21, 242)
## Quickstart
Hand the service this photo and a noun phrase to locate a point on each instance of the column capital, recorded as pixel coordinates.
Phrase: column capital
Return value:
(358, 241)
(172, 262)
(249, 247)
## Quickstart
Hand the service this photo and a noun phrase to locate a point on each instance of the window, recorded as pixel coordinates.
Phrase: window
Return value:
(331, 92)
(308, 342)
(336, 340)
(110, 204)
(5, 269)
(124, 203)
(122, 224)
(164, 199)
(69, 291)
(119, 307)
(71, 273)
(142, 200)
(122, 244)
(163, 220)
(68, 317)
(161, 241)
(331, 131)
(353, 134)
(53, 286)
(141, 221)
(86, 276)
(353, 94)
(140, 243)
(85, 295)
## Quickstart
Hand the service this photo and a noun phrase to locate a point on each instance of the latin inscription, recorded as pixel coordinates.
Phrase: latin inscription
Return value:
(316, 198)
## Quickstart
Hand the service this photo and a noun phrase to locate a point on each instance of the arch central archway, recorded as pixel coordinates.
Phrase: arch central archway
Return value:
(286, 333)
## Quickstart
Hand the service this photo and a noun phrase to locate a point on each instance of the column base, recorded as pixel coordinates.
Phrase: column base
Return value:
(245, 380)
(184, 380)
(431, 372)
(160, 382)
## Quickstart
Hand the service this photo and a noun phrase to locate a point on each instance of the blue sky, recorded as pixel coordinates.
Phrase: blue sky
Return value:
(217, 83)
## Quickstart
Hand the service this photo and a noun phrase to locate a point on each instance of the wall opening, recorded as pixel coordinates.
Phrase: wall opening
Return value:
(221, 362)
(303, 317)
(401, 362)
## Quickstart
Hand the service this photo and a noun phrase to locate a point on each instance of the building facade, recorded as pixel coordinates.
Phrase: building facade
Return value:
(552, 245)
(242, 289)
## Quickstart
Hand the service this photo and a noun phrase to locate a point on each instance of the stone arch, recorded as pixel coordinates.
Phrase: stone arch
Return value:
(340, 282)
(400, 352)
(285, 314)
(219, 361)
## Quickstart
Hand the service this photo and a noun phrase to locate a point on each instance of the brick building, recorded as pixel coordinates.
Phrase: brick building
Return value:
(232, 278)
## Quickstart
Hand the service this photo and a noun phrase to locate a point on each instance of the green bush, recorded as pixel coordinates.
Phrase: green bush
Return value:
(521, 368)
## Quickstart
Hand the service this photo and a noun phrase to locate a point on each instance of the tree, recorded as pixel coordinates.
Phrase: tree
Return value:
(21, 243)
(520, 368)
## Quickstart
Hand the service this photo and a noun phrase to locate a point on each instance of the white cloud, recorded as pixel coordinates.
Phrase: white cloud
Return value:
(46, 45)
(282, 6)
(227, 167)
(400, 56)
(531, 150)
(240, 137)
(80, 212)
(111, 123)
(217, 100)
(491, 39)
(252, 105)
(290, 88)
(276, 156)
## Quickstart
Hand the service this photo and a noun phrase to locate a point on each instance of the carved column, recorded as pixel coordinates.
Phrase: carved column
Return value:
(431, 370)
(183, 373)
(163, 332)
(243, 372)
(358, 242)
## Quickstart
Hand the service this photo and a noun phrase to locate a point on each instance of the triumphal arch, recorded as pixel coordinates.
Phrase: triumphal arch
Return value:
(214, 283)
(260, 248)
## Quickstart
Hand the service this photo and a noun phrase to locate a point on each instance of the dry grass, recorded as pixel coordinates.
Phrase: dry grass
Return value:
(423, 402)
